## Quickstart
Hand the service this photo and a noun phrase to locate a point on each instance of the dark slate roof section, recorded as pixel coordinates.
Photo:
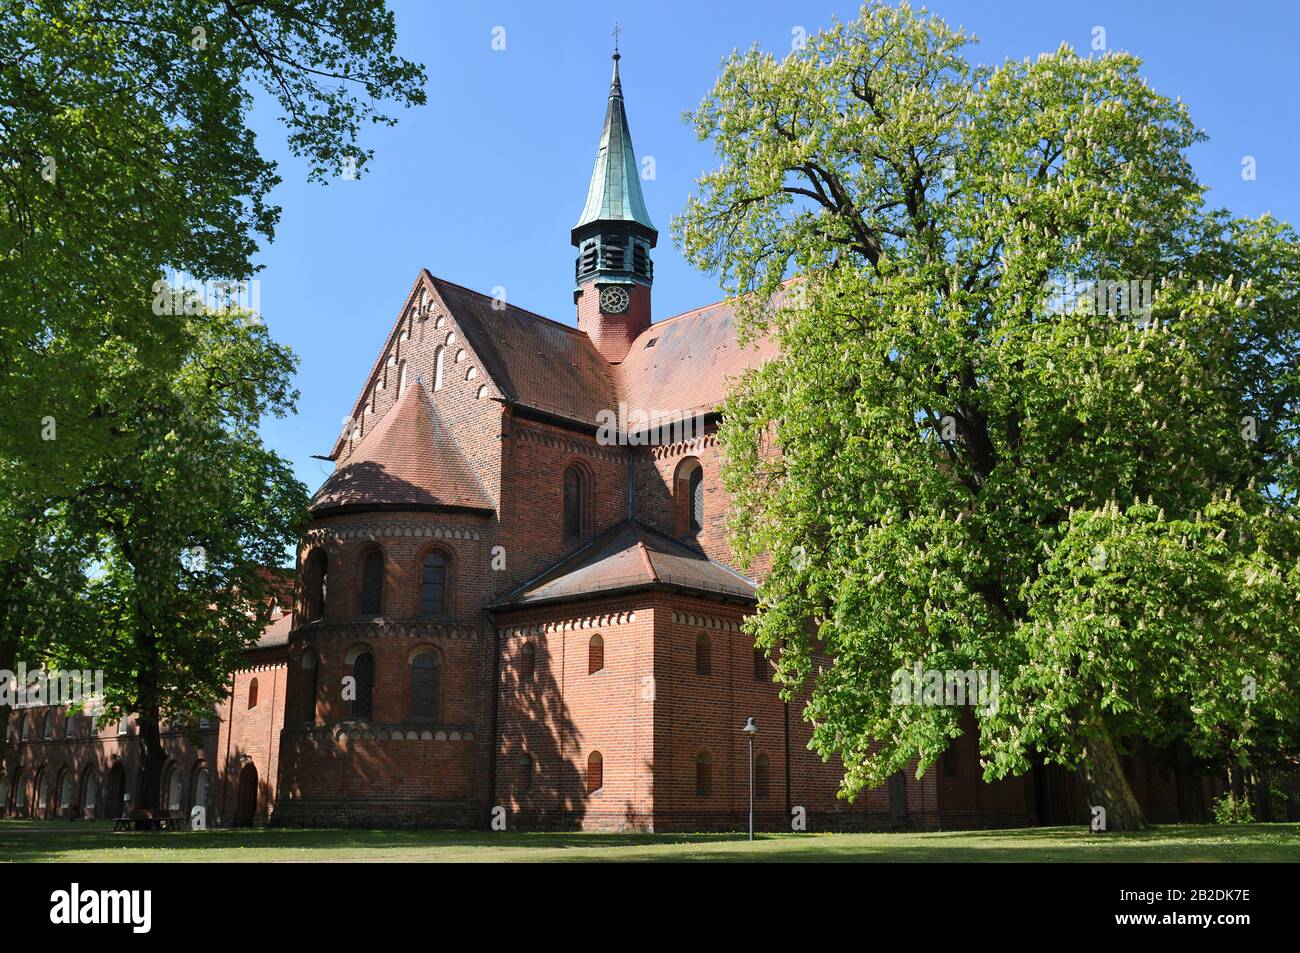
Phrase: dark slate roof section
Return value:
(630, 556)
(408, 461)
(538, 363)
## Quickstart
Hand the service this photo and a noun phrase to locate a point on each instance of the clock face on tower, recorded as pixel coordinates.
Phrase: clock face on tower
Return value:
(614, 300)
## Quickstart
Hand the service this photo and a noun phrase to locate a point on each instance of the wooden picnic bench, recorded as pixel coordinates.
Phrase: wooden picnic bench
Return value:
(143, 819)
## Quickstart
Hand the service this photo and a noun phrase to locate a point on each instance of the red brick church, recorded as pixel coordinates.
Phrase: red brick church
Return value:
(500, 607)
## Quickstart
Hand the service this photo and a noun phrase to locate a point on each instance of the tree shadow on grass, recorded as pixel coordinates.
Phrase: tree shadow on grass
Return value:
(36, 841)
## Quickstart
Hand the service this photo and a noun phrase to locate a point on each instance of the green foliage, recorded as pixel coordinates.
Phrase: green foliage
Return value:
(1231, 810)
(951, 464)
(183, 531)
(126, 155)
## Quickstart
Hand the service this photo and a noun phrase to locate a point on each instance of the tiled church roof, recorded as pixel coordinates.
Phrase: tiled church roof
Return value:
(548, 366)
(276, 632)
(408, 460)
(536, 362)
(686, 363)
(629, 556)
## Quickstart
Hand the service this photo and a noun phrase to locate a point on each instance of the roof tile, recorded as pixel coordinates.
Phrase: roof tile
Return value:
(409, 459)
(630, 555)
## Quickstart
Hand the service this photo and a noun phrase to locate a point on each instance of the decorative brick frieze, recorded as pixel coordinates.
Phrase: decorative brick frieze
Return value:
(327, 734)
(706, 622)
(554, 441)
(685, 448)
(603, 620)
(365, 629)
(376, 531)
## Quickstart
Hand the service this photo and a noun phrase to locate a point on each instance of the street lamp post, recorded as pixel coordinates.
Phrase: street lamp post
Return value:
(751, 729)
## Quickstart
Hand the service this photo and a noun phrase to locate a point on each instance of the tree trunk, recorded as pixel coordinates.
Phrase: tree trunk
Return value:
(1191, 806)
(1263, 794)
(1104, 784)
(153, 760)
(153, 757)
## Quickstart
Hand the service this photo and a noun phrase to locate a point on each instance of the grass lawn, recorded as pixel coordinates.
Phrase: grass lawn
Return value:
(49, 841)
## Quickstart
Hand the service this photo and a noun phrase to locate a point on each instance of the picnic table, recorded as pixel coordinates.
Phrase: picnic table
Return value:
(143, 819)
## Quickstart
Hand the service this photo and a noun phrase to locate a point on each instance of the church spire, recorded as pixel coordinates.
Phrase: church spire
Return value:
(614, 236)
(615, 191)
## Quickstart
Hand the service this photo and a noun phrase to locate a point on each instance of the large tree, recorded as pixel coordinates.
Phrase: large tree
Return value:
(958, 459)
(126, 156)
(181, 535)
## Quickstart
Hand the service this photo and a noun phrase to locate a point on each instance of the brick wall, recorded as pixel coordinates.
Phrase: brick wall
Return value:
(114, 760)
(612, 334)
(392, 768)
(249, 740)
(535, 459)
(86, 753)
(564, 712)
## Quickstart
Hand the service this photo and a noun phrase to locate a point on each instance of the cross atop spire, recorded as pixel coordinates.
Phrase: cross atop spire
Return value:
(617, 30)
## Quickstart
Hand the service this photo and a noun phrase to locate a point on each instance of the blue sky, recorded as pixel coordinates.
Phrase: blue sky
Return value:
(482, 185)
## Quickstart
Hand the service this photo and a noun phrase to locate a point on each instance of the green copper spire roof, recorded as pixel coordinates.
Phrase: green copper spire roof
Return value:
(615, 192)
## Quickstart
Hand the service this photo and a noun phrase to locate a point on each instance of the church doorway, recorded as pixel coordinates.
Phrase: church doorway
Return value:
(247, 802)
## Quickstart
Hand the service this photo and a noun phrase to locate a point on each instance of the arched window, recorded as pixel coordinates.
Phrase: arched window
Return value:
(201, 788)
(363, 671)
(65, 793)
(688, 497)
(20, 794)
(310, 685)
(595, 772)
(171, 789)
(433, 585)
(761, 670)
(48, 734)
(316, 582)
(401, 378)
(437, 367)
(89, 793)
(525, 772)
(703, 775)
(42, 793)
(252, 694)
(26, 725)
(703, 655)
(762, 775)
(527, 662)
(4, 794)
(575, 502)
(951, 766)
(372, 583)
(426, 672)
(595, 654)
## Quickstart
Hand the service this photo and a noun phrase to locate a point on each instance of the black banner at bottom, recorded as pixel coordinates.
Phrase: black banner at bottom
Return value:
(143, 902)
